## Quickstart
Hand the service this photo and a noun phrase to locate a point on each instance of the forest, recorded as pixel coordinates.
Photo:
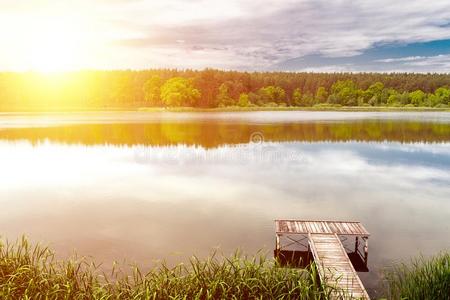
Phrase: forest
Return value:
(211, 88)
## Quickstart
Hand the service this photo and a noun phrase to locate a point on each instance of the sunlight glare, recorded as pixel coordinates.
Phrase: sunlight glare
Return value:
(56, 46)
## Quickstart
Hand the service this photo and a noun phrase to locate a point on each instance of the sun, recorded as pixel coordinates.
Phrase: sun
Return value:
(55, 46)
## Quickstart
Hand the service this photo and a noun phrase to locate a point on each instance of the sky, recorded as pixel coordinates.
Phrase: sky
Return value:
(287, 35)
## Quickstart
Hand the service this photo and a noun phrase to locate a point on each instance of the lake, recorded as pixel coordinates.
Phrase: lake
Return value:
(142, 187)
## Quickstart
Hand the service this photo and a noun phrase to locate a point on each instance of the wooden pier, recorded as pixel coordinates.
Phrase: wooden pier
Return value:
(324, 240)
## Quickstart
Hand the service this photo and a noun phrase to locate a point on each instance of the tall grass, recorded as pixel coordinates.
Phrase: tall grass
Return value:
(32, 272)
(420, 279)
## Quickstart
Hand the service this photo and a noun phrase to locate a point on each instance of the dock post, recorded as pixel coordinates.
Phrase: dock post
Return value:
(356, 244)
(277, 245)
(366, 250)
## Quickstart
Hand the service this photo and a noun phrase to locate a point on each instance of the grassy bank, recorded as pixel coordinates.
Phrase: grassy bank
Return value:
(296, 108)
(32, 272)
(420, 279)
(227, 109)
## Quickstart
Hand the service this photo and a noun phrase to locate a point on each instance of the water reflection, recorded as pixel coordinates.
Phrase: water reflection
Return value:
(156, 199)
(216, 134)
(107, 202)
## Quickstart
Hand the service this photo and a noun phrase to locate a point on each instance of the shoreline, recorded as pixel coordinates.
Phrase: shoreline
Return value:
(230, 109)
(324, 108)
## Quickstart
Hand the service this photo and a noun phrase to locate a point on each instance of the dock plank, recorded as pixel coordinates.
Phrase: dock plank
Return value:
(334, 265)
(304, 227)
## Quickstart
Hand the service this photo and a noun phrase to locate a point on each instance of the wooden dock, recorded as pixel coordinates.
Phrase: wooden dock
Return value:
(324, 243)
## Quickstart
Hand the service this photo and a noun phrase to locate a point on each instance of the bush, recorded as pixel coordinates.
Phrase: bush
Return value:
(442, 106)
(327, 105)
(271, 104)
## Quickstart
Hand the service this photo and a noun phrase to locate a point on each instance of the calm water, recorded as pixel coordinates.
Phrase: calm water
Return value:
(148, 186)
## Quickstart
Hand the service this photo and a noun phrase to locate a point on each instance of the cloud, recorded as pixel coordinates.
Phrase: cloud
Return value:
(247, 34)
(407, 58)
(438, 60)
(435, 63)
(257, 37)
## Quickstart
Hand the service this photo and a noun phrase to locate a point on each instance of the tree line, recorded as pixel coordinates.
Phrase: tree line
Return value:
(214, 88)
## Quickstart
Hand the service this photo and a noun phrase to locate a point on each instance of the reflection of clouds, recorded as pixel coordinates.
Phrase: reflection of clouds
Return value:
(238, 154)
(436, 148)
(347, 163)
(388, 153)
(104, 201)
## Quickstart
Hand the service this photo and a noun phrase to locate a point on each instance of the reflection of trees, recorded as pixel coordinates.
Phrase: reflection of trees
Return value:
(213, 134)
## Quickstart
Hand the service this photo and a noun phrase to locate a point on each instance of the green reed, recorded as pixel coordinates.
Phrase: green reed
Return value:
(32, 272)
(420, 278)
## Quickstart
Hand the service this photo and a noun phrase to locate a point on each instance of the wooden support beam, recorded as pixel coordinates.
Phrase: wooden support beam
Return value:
(366, 250)
(277, 246)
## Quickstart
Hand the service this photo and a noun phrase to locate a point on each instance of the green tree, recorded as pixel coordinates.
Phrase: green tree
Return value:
(179, 91)
(152, 90)
(223, 97)
(308, 99)
(383, 97)
(271, 94)
(397, 99)
(254, 98)
(128, 88)
(432, 100)
(405, 99)
(321, 95)
(345, 92)
(393, 99)
(417, 98)
(373, 94)
(244, 100)
(444, 95)
(333, 99)
(297, 97)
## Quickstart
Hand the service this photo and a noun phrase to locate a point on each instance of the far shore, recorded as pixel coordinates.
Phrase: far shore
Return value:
(230, 109)
(295, 108)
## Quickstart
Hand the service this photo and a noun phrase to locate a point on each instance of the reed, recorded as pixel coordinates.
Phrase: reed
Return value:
(420, 278)
(32, 272)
